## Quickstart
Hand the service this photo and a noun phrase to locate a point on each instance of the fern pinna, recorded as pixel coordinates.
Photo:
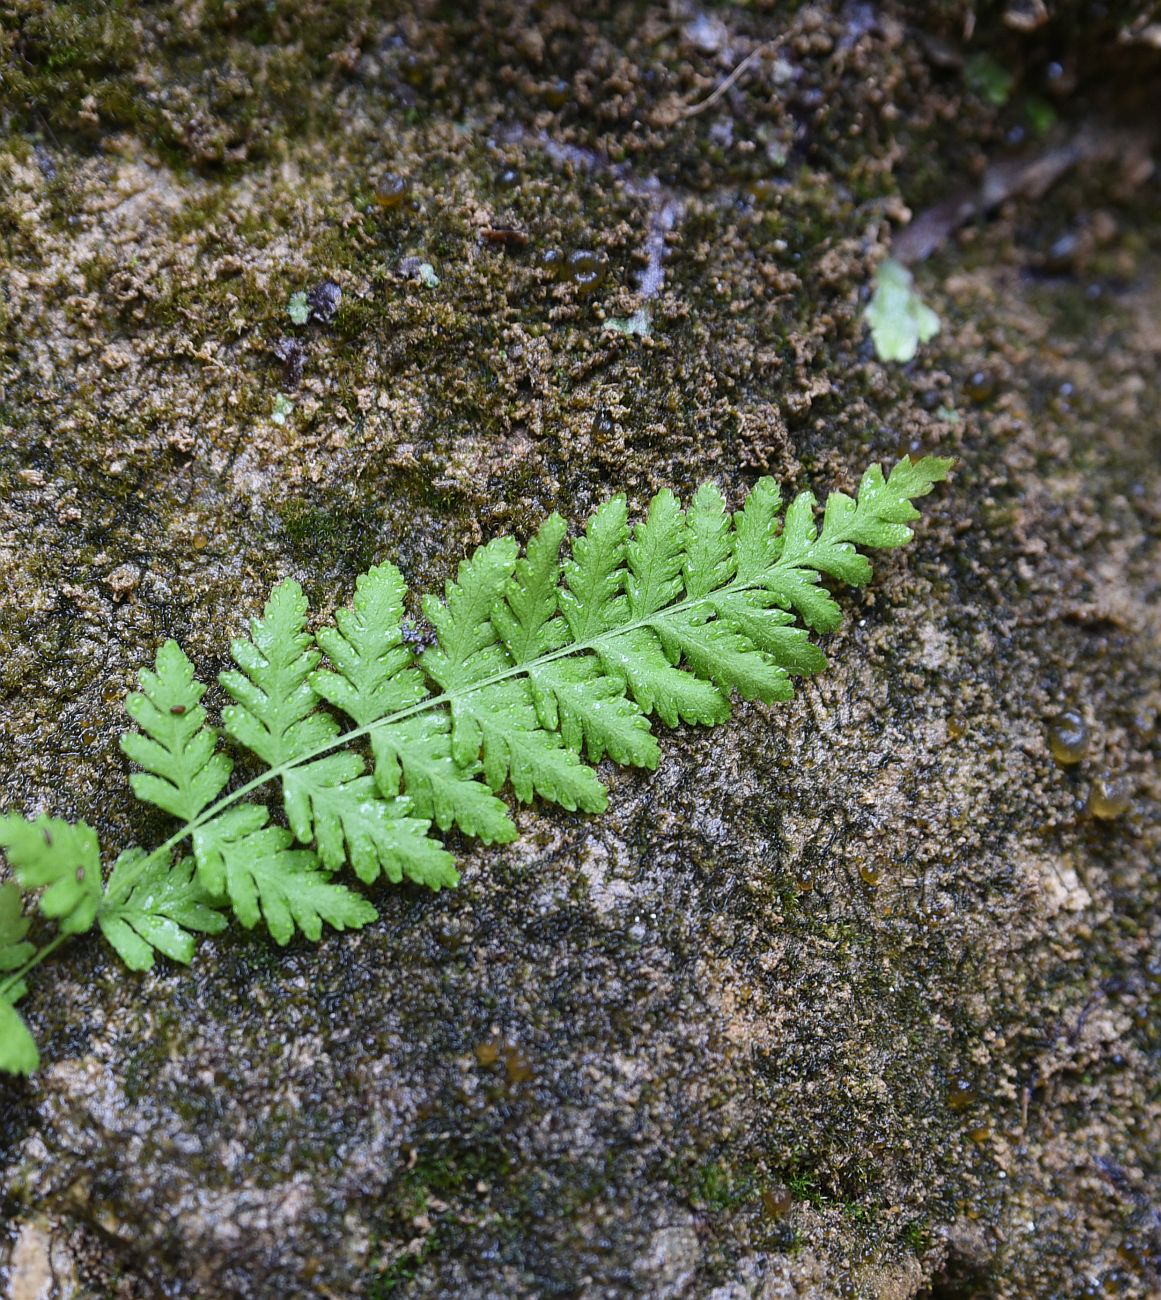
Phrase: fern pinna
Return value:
(541, 668)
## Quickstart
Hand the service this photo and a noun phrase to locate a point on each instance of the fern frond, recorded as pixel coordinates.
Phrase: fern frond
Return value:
(374, 676)
(592, 599)
(469, 649)
(183, 769)
(415, 756)
(540, 662)
(331, 802)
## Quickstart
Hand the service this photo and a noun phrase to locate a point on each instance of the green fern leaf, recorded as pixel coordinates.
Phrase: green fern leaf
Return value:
(415, 756)
(593, 599)
(655, 556)
(709, 552)
(374, 676)
(590, 710)
(265, 879)
(275, 711)
(333, 803)
(757, 541)
(61, 858)
(718, 653)
(374, 680)
(183, 772)
(527, 620)
(500, 721)
(469, 649)
(151, 906)
(18, 1053)
(637, 659)
(770, 630)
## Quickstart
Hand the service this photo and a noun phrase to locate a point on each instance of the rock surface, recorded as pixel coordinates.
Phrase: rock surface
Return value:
(854, 996)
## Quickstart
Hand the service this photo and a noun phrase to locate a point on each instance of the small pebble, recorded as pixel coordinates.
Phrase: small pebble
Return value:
(323, 301)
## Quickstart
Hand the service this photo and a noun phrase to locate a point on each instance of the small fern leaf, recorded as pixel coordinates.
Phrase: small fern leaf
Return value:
(500, 721)
(183, 770)
(330, 801)
(18, 1054)
(468, 649)
(63, 859)
(591, 712)
(215, 839)
(374, 676)
(770, 630)
(676, 696)
(527, 620)
(593, 599)
(709, 551)
(274, 711)
(150, 906)
(757, 542)
(265, 879)
(717, 653)
(655, 556)
(884, 507)
(415, 755)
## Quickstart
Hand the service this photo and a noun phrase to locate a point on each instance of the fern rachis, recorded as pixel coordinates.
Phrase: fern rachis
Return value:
(539, 664)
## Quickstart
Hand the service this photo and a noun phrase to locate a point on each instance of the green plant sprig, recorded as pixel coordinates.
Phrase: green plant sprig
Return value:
(540, 668)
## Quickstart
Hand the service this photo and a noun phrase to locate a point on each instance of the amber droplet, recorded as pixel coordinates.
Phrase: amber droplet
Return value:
(587, 269)
(870, 875)
(391, 192)
(960, 1095)
(552, 260)
(804, 881)
(603, 424)
(956, 728)
(200, 541)
(557, 93)
(979, 386)
(1068, 737)
(979, 1135)
(1109, 796)
(517, 1067)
